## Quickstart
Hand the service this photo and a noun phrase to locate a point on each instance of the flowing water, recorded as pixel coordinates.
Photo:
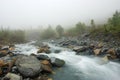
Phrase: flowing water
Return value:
(77, 67)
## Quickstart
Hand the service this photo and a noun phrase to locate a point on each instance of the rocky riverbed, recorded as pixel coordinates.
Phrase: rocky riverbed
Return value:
(65, 59)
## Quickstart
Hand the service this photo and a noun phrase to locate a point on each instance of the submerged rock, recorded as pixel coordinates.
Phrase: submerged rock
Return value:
(57, 62)
(28, 66)
(57, 51)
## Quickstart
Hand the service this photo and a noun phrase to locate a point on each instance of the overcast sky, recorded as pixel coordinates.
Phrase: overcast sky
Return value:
(25, 13)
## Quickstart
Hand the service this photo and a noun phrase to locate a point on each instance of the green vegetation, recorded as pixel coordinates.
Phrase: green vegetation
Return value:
(60, 30)
(112, 26)
(79, 29)
(11, 36)
(48, 33)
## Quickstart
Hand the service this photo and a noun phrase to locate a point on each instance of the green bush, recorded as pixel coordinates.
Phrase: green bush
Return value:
(11, 36)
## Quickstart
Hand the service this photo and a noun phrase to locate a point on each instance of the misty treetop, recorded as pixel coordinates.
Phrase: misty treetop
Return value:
(112, 26)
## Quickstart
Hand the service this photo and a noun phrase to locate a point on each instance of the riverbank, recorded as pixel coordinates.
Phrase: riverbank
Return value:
(92, 45)
(55, 60)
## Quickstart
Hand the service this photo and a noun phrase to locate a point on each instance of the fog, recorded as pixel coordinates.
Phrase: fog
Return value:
(33, 13)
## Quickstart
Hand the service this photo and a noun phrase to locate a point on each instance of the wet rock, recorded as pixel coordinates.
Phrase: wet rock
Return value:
(5, 48)
(83, 43)
(118, 52)
(6, 63)
(11, 76)
(45, 62)
(104, 50)
(46, 66)
(42, 57)
(57, 51)
(43, 77)
(27, 79)
(100, 45)
(112, 53)
(106, 58)
(32, 54)
(0, 71)
(43, 50)
(57, 62)
(28, 66)
(103, 60)
(3, 53)
(97, 51)
(80, 49)
(91, 46)
(1, 46)
(14, 69)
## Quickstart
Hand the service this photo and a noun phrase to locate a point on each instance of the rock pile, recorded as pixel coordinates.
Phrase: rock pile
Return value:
(24, 67)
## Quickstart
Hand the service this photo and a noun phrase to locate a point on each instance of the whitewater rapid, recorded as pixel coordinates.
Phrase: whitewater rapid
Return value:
(77, 67)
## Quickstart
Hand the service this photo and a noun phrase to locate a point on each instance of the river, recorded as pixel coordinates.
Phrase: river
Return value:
(77, 67)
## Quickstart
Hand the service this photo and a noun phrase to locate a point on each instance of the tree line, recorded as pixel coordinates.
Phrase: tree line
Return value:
(111, 26)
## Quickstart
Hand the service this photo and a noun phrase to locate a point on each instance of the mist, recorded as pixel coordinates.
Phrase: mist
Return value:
(24, 14)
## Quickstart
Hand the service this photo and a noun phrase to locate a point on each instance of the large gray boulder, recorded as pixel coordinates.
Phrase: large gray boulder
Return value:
(28, 66)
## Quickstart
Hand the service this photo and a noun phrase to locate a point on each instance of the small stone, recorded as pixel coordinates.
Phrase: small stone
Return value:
(57, 62)
(97, 51)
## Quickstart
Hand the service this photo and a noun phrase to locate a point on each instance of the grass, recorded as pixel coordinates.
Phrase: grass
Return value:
(11, 36)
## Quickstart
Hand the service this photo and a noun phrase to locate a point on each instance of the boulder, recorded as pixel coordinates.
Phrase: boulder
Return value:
(97, 51)
(100, 45)
(112, 53)
(57, 62)
(42, 57)
(79, 49)
(14, 70)
(43, 50)
(3, 53)
(11, 76)
(28, 66)
(46, 66)
(6, 63)
(6, 50)
(91, 46)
